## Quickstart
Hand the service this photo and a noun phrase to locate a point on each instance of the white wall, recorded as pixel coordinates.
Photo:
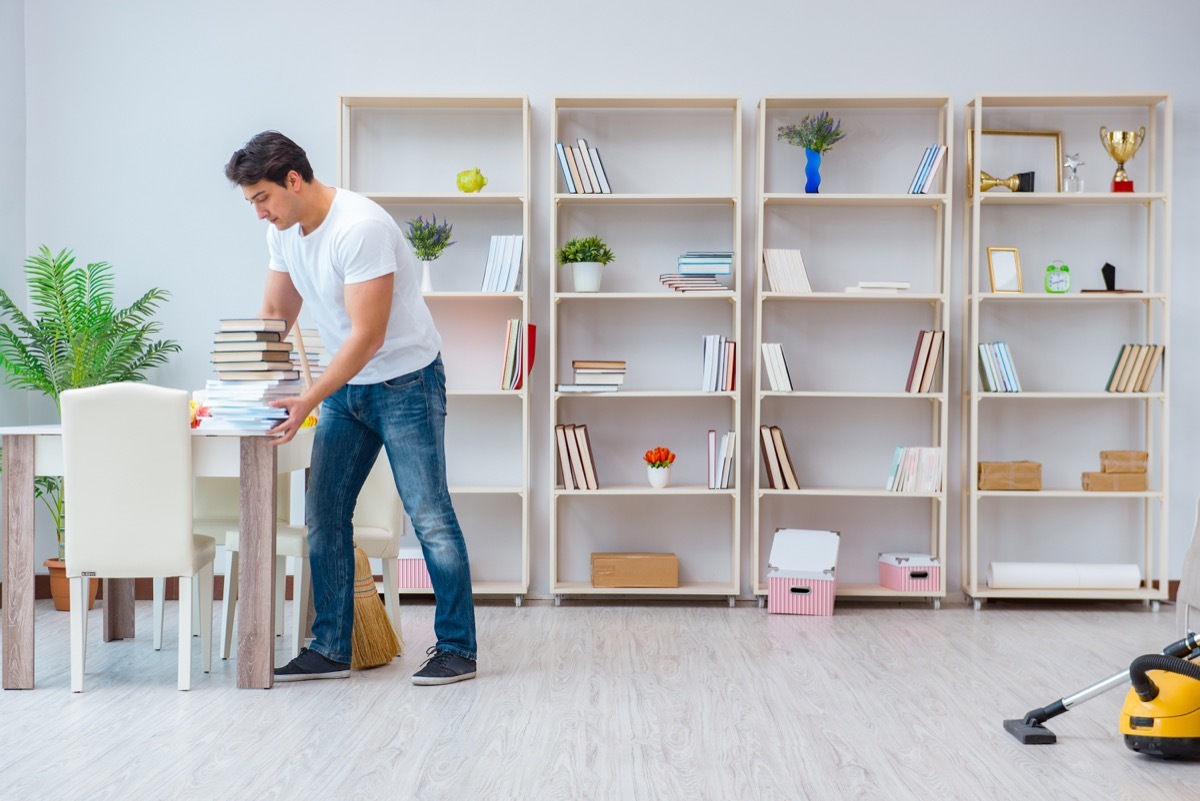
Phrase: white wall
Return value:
(133, 108)
(12, 174)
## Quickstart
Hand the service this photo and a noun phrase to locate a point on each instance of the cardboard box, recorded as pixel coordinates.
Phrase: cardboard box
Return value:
(1124, 461)
(413, 573)
(635, 570)
(802, 572)
(910, 572)
(1010, 475)
(1114, 482)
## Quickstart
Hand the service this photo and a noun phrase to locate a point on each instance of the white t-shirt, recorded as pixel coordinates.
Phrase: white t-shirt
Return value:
(356, 242)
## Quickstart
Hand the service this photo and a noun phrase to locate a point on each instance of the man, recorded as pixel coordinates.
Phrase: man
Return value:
(385, 386)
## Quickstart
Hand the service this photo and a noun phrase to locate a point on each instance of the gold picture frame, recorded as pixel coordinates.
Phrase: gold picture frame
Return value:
(1006, 161)
(1004, 269)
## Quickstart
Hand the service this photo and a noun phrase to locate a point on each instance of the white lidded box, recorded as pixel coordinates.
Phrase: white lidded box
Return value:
(802, 572)
(910, 572)
(413, 573)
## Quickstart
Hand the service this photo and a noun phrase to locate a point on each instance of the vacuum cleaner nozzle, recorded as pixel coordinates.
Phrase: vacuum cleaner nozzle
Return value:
(1030, 732)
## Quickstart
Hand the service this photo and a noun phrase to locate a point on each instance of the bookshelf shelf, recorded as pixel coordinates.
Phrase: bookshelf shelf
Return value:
(844, 438)
(674, 165)
(1061, 382)
(404, 152)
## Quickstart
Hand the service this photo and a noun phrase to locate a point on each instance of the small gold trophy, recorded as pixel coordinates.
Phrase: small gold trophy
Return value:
(1121, 145)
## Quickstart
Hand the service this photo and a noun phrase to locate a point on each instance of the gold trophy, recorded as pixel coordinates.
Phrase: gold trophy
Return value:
(1020, 182)
(1121, 145)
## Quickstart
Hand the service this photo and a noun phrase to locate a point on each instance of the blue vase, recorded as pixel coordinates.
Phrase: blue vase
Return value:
(812, 171)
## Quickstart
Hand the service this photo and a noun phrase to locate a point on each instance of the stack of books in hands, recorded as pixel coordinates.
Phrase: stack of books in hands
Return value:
(595, 375)
(254, 367)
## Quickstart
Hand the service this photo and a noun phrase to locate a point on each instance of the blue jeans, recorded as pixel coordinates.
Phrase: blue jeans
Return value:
(406, 415)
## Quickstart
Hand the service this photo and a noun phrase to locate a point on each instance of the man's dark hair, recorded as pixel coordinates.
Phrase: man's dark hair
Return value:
(269, 156)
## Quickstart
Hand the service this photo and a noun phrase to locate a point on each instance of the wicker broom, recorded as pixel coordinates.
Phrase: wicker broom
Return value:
(373, 642)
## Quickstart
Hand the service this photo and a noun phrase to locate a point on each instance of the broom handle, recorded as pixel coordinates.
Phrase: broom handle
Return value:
(303, 355)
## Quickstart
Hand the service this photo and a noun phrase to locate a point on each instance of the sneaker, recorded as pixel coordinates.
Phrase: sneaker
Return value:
(443, 667)
(312, 665)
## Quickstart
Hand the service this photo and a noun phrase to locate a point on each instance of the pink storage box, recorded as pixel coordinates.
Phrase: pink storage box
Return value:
(802, 572)
(413, 573)
(910, 572)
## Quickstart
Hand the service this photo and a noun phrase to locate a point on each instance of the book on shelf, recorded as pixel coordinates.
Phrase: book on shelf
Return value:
(502, 272)
(785, 460)
(712, 458)
(599, 166)
(770, 458)
(915, 469)
(561, 152)
(519, 350)
(598, 364)
(917, 180)
(581, 168)
(720, 364)
(564, 457)
(926, 355)
(586, 388)
(997, 369)
(586, 156)
(776, 367)
(574, 168)
(705, 263)
(692, 283)
(931, 173)
(251, 324)
(785, 270)
(610, 377)
(883, 287)
(1135, 368)
(728, 446)
(720, 460)
(585, 457)
(576, 457)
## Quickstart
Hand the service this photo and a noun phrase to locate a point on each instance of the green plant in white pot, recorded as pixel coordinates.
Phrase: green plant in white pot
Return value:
(587, 255)
(74, 336)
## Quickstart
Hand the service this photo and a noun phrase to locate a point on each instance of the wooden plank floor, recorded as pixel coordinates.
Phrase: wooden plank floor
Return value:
(622, 702)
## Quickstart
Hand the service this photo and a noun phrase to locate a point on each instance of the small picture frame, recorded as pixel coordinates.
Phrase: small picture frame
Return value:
(1004, 269)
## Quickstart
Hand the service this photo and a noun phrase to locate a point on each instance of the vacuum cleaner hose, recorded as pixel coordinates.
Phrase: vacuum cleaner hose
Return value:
(1145, 688)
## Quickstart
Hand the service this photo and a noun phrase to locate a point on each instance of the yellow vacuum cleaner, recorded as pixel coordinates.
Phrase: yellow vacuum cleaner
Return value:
(1161, 716)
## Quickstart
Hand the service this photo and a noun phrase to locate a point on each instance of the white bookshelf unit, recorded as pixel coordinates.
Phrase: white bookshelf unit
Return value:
(849, 354)
(674, 168)
(1064, 346)
(405, 152)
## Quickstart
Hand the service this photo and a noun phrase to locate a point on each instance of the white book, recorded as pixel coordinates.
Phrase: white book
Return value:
(781, 368)
(512, 272)
(587, 165)
(599, 167)
(1009, 367)
(730, 460)
(884, 284)
(503, 254)
(801, 283)
(708, 382)
(712, 458)
(769, 366)
(581, 163)
(490, 268)
(867, 290)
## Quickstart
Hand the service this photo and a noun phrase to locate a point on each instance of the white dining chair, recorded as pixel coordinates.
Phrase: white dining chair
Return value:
(127, 477)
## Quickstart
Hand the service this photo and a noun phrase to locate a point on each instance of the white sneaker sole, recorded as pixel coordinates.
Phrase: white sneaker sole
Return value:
(428, 681)
(333, 674)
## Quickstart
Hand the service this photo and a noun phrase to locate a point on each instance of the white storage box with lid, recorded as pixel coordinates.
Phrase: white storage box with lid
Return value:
(910, 572)
(802, 572)
(413, 573)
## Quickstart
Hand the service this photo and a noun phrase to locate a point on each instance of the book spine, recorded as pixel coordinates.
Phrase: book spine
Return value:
(566, 171)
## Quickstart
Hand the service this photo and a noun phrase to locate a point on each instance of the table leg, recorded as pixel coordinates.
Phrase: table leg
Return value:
(18, 546)
(118, 609)
(256, 580)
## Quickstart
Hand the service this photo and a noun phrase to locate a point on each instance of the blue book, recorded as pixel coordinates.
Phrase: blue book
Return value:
(566, 171)
(922, 169)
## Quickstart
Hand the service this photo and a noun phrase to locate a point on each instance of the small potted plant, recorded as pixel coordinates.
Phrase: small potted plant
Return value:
(428, 240)
(588, 255)
(817, 135)
(658, 466)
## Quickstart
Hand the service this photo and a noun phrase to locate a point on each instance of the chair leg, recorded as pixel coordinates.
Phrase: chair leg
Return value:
(280, 592)
(160, 594)
(185, 632)
(391, 595)
(197, 624)
(303, 586)
(204, 587)
(230, 605)
(78, 632)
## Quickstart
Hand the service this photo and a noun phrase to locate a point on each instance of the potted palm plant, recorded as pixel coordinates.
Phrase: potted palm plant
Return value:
(74, 336)
(588, 255)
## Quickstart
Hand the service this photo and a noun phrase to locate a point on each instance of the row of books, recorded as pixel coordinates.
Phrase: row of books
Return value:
(721, 462)
(780, 474)
(922, 181)
(582, 170)
(596, 375)
(996, 368)
(785, 270)
(720, 364)
(700, 262)
(915, 469)
(503, 270)
(692, 283)
(577, 467)
(254, 366)
(925, 358)
(776, 367)
(520, 345)
(1135, 368)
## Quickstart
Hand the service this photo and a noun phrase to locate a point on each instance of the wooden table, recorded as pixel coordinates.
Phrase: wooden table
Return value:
(37, 451)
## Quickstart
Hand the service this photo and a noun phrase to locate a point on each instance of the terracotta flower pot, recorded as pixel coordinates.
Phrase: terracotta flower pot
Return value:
(60, 586)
